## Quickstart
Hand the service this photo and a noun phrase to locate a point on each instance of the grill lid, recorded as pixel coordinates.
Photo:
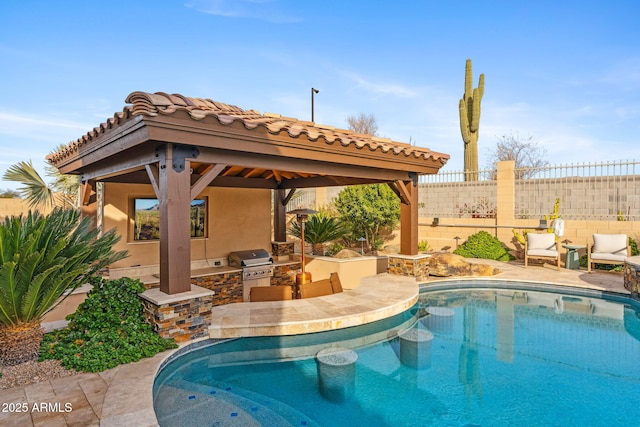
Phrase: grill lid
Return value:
(250, 258)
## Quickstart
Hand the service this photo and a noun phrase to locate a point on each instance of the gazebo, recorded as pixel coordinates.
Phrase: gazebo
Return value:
(181, 145)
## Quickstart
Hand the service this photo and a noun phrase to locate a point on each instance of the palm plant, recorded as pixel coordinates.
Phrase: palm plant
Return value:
(62, 192)
(41, 258)
(319, 229)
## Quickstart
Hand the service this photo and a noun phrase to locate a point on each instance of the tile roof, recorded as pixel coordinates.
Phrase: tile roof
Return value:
(159, 104)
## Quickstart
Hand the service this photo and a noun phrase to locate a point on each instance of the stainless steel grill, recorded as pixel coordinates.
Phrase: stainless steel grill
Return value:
(257, 268)
(250, 258)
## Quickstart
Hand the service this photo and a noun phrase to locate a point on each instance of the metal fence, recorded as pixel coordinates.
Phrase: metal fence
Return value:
(448, 195)
(596, 191)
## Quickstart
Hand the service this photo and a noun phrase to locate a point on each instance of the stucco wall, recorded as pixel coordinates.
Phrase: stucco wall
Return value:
(15, 207)
(350, 270)
(237, 219)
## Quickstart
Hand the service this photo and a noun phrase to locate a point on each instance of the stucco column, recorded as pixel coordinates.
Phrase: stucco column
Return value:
(279, 216)
(175, 215)
(409, 220)
(506, 199)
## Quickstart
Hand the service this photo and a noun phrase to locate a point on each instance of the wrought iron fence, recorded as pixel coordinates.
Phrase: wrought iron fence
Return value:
(597, 191)
(447, 194)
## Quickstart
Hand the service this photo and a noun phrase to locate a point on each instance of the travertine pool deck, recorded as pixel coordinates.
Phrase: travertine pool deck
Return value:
(122, 396)
(377, 297)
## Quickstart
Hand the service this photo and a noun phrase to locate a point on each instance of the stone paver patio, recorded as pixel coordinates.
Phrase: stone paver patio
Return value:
(122, 396)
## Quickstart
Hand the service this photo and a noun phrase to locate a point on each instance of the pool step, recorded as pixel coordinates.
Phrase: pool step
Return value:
(226, 404)
(296, 352)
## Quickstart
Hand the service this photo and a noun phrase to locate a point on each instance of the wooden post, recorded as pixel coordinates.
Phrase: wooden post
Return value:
(409, 220)
(175, 214)
(279, 216)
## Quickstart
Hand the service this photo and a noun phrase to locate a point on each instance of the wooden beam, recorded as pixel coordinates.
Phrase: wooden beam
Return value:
(203, 182)
(286, 200)
(175, 221)
(85, 192)
(112, 142)
(119, 164)
(250, 172)
(401, 191)
(277, 175)
(409, 220)
(154, 177)
(279, 216)
(280, 163)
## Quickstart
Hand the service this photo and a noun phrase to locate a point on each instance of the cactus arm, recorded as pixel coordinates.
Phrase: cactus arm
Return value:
(468, 80)
(464, 122)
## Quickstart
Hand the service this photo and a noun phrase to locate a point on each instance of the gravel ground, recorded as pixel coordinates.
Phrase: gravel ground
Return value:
(32, 372)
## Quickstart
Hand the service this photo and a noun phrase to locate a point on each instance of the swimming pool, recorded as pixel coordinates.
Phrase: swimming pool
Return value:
(494, 356)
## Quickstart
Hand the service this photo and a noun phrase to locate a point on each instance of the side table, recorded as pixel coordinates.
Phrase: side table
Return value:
(573, 260)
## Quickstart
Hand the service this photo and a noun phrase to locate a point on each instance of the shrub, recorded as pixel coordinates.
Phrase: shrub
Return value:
(42, 259)
(483, 245)
(108, 329)
(318, 230)
(334, 248)
(368, 211)
(423, 246)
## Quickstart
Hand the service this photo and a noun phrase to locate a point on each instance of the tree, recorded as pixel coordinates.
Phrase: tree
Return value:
(364, 123)
(319, 229)
(62, 192)
(9, 194)
(41, 258)
(526, 153)
(367, 210)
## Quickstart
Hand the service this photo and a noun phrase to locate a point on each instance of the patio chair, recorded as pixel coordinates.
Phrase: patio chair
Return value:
(336, 285)
(270, 293)
(541, 246)
(608, 249)
(316, 289)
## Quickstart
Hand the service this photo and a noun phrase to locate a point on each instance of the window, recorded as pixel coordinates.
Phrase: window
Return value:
(147, 219)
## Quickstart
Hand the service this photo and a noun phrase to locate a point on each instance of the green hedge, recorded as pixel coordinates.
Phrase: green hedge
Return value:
(484, 245)
(107, 330)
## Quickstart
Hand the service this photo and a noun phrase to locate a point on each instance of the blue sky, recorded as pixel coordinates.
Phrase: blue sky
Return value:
(565, 72)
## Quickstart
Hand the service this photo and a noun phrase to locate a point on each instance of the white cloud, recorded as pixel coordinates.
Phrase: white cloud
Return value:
(16, 123)
(265, 10)
(382, 88)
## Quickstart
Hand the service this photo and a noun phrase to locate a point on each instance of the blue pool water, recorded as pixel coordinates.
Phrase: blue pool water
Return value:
(497, 357)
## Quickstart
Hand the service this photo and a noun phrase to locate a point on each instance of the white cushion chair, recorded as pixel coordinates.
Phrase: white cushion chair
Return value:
(541, 246)
(608, 249)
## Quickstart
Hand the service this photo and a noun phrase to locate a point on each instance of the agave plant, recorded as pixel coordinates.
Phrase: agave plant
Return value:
(41, 258)
(319, 229)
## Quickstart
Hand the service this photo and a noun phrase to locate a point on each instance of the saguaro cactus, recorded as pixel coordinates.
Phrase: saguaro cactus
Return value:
(470, 122)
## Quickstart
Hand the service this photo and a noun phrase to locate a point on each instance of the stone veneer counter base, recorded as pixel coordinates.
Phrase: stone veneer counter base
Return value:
(377, 297)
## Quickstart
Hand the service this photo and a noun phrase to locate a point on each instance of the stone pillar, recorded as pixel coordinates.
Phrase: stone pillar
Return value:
(415, 348)
(409, 265)
(183, 317)
(632, 275)
(336, 373)
(282, 251)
